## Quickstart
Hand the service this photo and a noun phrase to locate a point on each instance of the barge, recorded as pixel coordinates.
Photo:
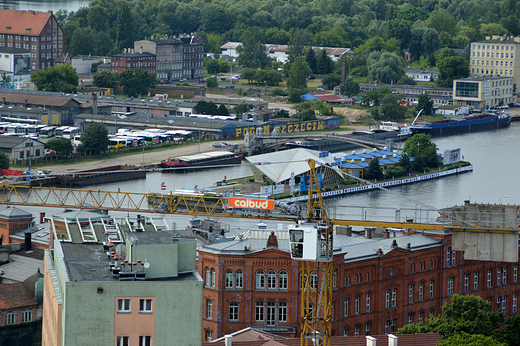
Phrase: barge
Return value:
(102, 175)
(474, 123)
(202, 160)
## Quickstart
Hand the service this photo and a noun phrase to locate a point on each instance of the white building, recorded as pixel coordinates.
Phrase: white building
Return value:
(16, 61)
(422, 75)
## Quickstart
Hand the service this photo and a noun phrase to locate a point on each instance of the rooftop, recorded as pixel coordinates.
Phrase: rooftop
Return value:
(23, 22)
(13, 296)
(14, 50)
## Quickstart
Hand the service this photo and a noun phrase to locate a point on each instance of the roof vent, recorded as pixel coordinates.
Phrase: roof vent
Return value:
(28, 29)
(8, 27)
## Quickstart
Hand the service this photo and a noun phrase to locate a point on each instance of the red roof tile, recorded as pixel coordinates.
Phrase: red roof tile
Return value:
(14, 296)
(23, 22)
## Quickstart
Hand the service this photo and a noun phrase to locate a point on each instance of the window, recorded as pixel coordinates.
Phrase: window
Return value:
(145, 340)
(431, 312)
(515, 303)
(410, 318)
(499, 303)
(209, 309)
(421, 291)
(387, 299)
(489, 273)
(345, 332)
(123, 305)
(499, 277)
(271, 280)
(260, 277)
(229, 278)
(314, 280)
(459, 93)
(394, 297)
(475, 281)
(421, 316)
(392, 326)
(453, 259)
(213, 277)
(504, 276)
(334, 277)
(450, 286)
(239, 277)
(356, 331)
(345, 307)
(233, 311)
(504, 305)
(410, 294)
(466, 282)
(282, 280)
(9, 318)
(123, 341)
(367, 329)
(145, 305)
(368, 302)
(259, 311)
(282, 312)
(392, 271)
(356, 305)
(515, 273)
(387, 327)
(432, 283)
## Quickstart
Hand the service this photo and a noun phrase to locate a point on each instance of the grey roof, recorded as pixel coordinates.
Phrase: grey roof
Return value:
(9, 142)
(13, 50)
(279, 165)
(80, 214)
(14, 213)
(20, 268)
(507, 40)
(158, 237)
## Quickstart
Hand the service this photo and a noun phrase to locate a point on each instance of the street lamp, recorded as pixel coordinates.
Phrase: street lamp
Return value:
(500, 199)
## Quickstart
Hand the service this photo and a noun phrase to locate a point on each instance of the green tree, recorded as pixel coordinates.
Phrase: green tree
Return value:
(424, 152)
(331, 80)
(300, 39)
(450, 68)
(465, 339)
(243, 108)
(222, 110)
(425, 103)
(124, 27)
(137, 82)
(212, 65)
(105, 79)
(375, 95)
(4, 161)
(248, 74)
(95, 138)
(306, 115)
(398, 29)
(93, 67)
(272, 77)
(281, 114)
(205, 107)
(211, 83)
(62, 146)
(251, 53)
(60, 78)
(391, 108)
(312, 60)
(373, 171)
(6, 80)
(325, 63)
(406, 80)
(349, 87)
(385, 67)
(298, 74)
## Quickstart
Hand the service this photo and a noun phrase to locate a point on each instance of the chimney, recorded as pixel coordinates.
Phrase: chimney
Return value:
(94, 103)
(28, 241)
(392, 340)
(368, 233)
(371, 341)
(394, 244)
(228, 340)
(26, 103)
(42, 217)
(380, 252)
(409, 245)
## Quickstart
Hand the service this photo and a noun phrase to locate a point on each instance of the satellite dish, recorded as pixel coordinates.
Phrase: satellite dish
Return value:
(147, 265)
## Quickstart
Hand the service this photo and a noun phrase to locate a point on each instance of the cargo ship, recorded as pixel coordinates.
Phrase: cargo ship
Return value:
(101, 175)
(473, 123)
(202, 160)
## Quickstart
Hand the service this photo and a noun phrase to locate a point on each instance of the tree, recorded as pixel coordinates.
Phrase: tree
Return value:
(251, 53)
(222, 110)
(425, 103)
(211, 83)
(105, 79)
(373, 170)
(95, 138)
(463, 314)
(124, 27)
(306, 115)
(93, 67)
(282, 113)
(299, 40)
(212, 65)
(450, 68)
(272, 77)
(311, 59)
(376, 95)
(423, 151)
(391, 108)
(406, 80)
(349, 88)
(242, 108)
(205, 107)
(331, 80)
(60, 78)
(137, 82)
(298, 74)
(6, 80)
(61, 146)
(465, 339)
(385, 67)
(325, 63)
(249, 74)
(4, 161)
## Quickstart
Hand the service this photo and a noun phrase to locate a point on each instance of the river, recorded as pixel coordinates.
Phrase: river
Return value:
(44, 6)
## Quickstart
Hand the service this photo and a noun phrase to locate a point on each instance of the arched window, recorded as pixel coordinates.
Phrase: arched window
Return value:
(271, 280)
(260, 279)
(213, 276)
(229, 278)
(314, 280)
(334, 278)
(239, 277)
(282, 280)
(208, 277)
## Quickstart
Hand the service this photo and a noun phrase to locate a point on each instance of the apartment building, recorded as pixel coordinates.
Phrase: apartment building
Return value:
(36, 32)
(496, 56)
(382, 280)
(131, 60)
(120, 283)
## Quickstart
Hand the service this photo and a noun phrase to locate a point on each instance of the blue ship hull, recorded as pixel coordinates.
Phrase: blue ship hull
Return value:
(466, 125)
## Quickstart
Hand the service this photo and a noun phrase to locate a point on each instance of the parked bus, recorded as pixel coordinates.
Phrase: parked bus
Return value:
(3, 127)
(47, 132)
(12, 128)
(76, 140)
(117, 142)
(59, 131)
(36, 129)
(22, 121)
(70, 132)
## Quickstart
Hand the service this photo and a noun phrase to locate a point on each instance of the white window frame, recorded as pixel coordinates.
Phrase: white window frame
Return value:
(410, 294)
(123, 341)
(209, 309)
(387, 299)
(466, 282)
(499, 276)
(515, 273)
(239, 279)
(356, 331)
(282, 312)
(475, 281)
(515, 303)
(124, 306)
(421, 291)
(367, 329)
(394, 297)
(259, 311)
(283, 280)
(145, 340)
(345, 307)
(229, 278)
(260, 280)
(9, 318)
(504, 276)
(356, 305)
(233, 311)
(450, 286)
(489, 274)
(367, 300)
(271, 280)
(145, 306)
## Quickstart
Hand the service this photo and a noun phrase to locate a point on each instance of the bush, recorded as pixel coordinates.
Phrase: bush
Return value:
(278, 92)
(396, 171)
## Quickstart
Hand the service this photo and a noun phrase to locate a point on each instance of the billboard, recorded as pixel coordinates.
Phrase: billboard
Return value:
(451, 156)
(263, 204)
(305, 182)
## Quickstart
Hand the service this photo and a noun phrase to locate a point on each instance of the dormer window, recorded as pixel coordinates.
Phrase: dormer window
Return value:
(8, 27)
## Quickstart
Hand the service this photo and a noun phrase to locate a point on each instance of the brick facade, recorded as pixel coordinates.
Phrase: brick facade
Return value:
(372, 294)
(131, 60)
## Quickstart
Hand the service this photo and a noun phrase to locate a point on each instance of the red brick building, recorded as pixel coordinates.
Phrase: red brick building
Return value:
(13, 219)
(131, 60)
(37, 32)
(379, 284)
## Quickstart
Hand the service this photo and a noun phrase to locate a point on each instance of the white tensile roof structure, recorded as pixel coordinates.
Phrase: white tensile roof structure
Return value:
(279, 165)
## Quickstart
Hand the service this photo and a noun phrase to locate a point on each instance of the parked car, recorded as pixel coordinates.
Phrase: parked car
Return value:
(213, 76)
(48, 173)
(202, 80)
(235, 77)
(183, 80)
(311, 77)
(219, 145)
(41, 174)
